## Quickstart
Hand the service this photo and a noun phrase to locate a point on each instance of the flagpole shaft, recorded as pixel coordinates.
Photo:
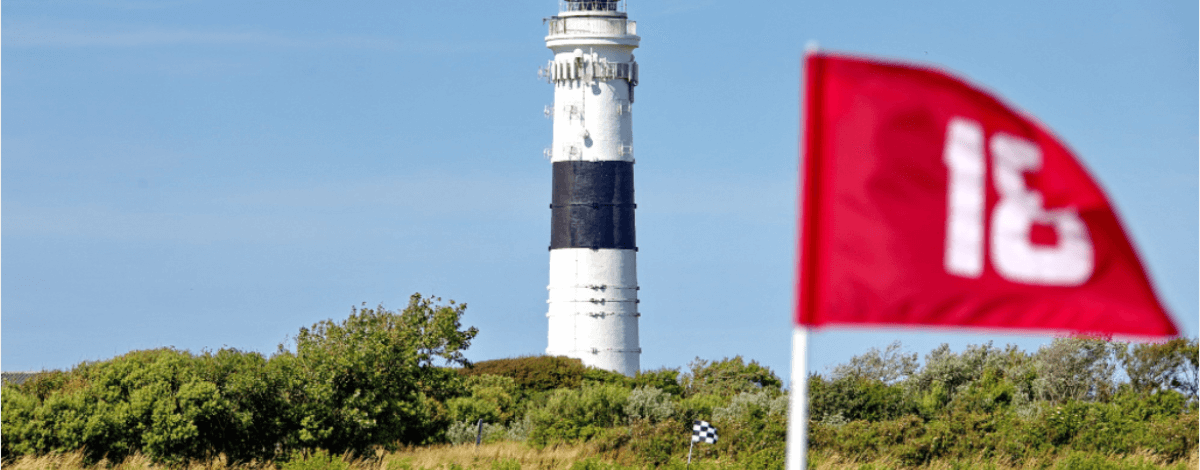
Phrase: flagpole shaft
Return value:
(693, 446)
(797, 436)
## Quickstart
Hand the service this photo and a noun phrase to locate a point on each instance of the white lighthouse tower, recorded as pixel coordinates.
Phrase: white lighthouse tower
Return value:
(593, 252)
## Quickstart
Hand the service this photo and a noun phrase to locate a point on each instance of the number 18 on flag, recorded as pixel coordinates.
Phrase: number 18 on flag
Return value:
(926, 201)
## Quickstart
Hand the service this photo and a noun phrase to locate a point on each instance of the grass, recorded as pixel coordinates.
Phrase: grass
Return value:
(1068, 461)
(487, 456)
(515, 455)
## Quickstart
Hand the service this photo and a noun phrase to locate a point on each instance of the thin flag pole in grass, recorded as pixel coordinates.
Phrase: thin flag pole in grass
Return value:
(701, 432)
(479, 433)
(927, 201)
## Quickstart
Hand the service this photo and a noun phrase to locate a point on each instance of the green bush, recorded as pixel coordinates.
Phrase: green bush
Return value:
(472, 409)
(578, 415)
(368, 380)
(465, 432)
(746, 405)
(699, 406)
(655, 443)
(595, 376)
(854, 398)
(380, 378)
(866, 439)
(1172, 437)
(167, 404)
(506, 464)
(1075, 369)
(728, 377)
(315, 460)
(753, 429)
(650, 404)
(989, 393)
(533, 373)
(371, 379)
(494, 387)
(889, 366)
(663, 379)
(951, 372)
(1174, 364)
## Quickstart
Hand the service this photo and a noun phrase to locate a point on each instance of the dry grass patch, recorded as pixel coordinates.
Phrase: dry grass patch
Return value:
(486, 456)
(516, 455)
(1069, 461)
(75, 461)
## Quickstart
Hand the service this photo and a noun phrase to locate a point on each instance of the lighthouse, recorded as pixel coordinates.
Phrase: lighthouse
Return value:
(593, 290)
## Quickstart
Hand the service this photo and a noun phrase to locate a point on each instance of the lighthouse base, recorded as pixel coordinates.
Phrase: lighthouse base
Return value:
(593, 312)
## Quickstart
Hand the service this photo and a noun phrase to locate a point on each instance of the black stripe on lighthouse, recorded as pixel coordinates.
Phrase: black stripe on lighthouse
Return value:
(592, 205)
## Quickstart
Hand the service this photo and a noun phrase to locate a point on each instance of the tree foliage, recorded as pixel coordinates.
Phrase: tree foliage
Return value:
(382, 379)
(1170, 365)
(368, 380)
(1074, 369)
(534, 373)
(728, 377)
(888, 366)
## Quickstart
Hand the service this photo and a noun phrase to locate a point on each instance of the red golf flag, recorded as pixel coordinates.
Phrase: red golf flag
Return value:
(926, 201)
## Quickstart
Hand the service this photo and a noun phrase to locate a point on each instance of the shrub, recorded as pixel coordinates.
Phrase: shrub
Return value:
(989, 393)
(519, 430)
(506, 464)
(472, 409)
(492, 398)
(889, 366)
(951, 372)
(655, 443)
(752, 430)
(1074, 369)
(1170, 365)
(368, 380)
(728, 377)
(858, 399)
(371, 380)
(865, 439)
(699, 407)
(166, 404)
(650, 404)
(465, 432)
(315, 460)
(533, 373)
(663, 379)
(596, 376)
(578, 415)
(746, 405)
(1172, 437)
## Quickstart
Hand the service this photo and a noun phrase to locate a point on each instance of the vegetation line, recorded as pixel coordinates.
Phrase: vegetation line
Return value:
(392, 389)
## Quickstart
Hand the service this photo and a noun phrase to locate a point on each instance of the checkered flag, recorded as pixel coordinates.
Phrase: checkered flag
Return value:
(703, 432)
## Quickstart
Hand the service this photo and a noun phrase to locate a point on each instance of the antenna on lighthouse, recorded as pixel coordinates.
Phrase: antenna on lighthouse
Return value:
(593, 290)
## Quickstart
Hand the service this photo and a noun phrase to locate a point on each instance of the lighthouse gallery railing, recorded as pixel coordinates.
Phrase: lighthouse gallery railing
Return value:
(586, 25)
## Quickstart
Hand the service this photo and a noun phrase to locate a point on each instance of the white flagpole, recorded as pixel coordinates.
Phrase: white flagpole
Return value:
(797, 436)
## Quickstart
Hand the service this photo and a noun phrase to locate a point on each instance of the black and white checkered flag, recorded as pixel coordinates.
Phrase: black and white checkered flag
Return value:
(703, 432)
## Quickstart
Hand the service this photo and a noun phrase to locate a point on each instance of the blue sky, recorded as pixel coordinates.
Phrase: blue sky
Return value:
(219, 174)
